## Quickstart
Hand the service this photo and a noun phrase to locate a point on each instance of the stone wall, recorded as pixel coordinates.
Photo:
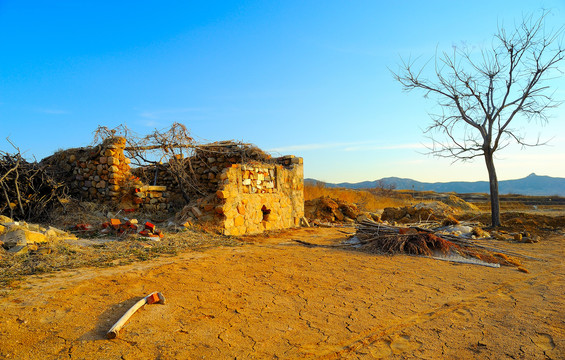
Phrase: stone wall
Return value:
(100, 173)
(259, 197)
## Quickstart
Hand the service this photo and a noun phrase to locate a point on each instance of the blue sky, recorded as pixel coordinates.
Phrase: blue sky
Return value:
(309, 78)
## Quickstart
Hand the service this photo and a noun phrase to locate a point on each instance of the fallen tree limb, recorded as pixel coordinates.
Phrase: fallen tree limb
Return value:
(153, 298)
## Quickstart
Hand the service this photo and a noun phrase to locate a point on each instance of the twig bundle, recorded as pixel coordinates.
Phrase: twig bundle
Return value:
(379, 238)
(28, 191)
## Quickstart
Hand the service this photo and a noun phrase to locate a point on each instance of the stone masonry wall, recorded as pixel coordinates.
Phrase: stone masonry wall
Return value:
(259, 197)
(99, 173)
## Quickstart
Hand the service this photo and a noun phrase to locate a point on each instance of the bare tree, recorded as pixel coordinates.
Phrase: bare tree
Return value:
(482, 94)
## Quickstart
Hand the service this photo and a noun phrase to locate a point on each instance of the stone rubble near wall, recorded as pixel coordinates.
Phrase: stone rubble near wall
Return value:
(20, 237)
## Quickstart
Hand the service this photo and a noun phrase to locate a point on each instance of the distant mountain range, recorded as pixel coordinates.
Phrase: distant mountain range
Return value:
(530, 185)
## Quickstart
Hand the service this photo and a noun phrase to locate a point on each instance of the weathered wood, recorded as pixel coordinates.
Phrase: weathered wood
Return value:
(115, 330)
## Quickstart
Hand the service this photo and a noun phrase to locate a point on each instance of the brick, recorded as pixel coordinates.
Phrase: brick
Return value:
(152, 298)
(150, 226)
(222, 194)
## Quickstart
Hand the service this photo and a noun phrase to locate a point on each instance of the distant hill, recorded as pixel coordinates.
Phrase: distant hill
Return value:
(530, 185)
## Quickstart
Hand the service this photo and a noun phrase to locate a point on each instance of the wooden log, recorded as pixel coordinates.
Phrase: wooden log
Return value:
(149, 299)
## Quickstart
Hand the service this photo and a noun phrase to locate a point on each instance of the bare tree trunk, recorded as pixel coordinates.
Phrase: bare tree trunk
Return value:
(493, 182)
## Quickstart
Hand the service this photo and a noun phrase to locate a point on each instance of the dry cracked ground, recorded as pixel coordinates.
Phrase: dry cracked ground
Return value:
(273, 298)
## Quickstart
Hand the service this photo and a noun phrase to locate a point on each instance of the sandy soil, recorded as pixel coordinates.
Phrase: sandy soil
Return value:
(273, 298)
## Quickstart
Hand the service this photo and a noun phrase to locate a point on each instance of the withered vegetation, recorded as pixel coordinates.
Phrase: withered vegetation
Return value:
(29, 190)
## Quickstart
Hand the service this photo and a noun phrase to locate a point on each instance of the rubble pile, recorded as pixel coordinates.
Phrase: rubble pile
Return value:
(120, 228)
(19, 237)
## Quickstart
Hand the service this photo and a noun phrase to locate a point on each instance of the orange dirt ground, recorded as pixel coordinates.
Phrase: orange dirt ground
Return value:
(273, 298)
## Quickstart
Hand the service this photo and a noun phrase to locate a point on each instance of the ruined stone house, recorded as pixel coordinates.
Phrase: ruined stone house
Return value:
(237, 187)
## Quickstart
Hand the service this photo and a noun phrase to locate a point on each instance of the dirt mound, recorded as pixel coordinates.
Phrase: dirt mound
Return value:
(460, 204)
(524, 222)
(332, 210)
(432, 211)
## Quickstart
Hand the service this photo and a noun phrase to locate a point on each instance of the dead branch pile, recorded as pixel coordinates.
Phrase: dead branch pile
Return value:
(29, 191)
(175, 152)
(237, 152)
(379, 238)
(376, 237)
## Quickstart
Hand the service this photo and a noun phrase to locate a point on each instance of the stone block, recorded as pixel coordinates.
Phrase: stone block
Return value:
(238, 220)
(156, 188)
(113, 161)
(22, 237)
(196, 211)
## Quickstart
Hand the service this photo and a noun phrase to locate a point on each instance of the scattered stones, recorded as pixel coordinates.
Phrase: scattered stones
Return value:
(20, 237)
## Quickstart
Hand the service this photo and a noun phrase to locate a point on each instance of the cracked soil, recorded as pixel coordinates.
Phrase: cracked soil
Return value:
(272, 298)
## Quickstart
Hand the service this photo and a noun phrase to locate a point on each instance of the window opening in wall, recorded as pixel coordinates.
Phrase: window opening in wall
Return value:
(266, 213)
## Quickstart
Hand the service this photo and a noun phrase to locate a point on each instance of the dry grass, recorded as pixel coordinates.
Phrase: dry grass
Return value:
(369, 200)
(66, 255)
